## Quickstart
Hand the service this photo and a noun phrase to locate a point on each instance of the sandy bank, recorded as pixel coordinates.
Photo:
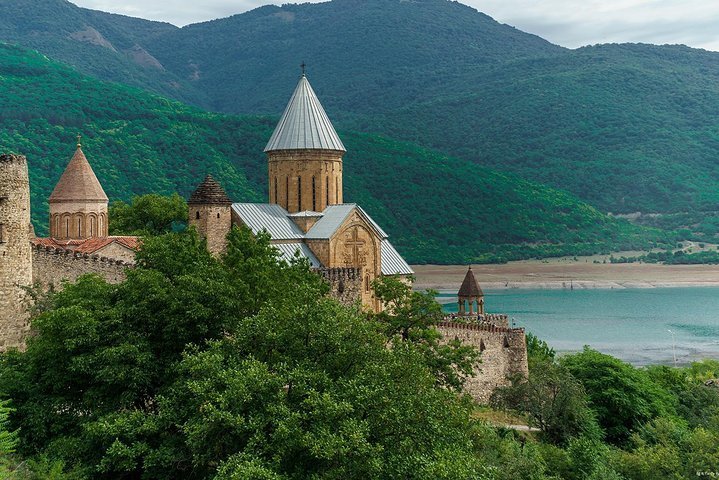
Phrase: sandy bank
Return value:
(568, 274)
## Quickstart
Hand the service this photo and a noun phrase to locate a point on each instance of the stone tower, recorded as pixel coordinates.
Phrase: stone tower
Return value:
(305, 156)
(210, 212)
(470, 292)
(15, 250)
(78, 205)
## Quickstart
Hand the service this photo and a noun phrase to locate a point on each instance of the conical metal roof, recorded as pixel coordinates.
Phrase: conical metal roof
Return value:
(209, 192)
(470, 287)
(304, 125)
(78, 182)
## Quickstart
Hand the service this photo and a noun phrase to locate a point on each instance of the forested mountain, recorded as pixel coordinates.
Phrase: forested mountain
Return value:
(625, 127)
(436, 208)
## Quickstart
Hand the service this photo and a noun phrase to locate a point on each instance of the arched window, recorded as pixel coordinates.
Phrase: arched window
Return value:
(299, 194)
(287, 193)
(314, 196)
(337, 190)
(197, 215)
(3, 233)
(67, 227)
(366, 283)
(277, 200)
(218, 214)
(327, 190)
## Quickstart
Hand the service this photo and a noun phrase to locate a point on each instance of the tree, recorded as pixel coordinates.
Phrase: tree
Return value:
(409, 319)
(554, 401)
(239, 367)
(622, 396)
(149, 214)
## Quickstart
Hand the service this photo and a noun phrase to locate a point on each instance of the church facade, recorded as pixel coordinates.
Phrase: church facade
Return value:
(306, 214)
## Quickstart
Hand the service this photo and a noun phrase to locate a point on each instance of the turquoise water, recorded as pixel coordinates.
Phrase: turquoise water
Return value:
(632, 324)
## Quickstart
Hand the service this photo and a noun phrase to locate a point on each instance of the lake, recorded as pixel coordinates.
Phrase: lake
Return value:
(638, 325)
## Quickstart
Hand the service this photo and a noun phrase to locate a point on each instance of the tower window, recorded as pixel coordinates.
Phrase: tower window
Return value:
(3, 239)
(299, 193)
(218, 214)
(314, 196)
(287, 193)
(276, 199)
(197, 215)
(337, 190)
(67, 228)
(327, 190)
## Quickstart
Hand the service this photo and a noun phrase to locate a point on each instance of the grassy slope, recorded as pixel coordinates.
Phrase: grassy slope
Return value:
(436, 208)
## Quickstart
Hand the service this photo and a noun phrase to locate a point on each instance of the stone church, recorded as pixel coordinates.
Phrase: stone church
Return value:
(306, 213)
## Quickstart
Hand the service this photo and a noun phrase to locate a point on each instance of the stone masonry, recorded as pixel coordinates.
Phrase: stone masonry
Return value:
(15, 249)
(503, 353)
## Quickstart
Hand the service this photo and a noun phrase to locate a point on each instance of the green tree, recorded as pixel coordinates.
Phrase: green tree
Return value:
(234, 367)
(554, 401)
(149, 214)
(622, 396)
(409, 319)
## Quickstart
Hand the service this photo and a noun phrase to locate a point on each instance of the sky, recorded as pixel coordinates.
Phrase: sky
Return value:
(570, 23)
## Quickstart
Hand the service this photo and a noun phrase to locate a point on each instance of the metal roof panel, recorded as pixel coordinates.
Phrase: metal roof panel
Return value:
(270, 217)
(304, 124)
(392, 261)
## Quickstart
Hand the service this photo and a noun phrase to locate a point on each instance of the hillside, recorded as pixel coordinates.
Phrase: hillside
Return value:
(105, 45)
(436, 208)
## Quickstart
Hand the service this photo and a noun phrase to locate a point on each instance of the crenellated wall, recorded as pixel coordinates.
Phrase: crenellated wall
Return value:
(52, 266)
(503, 353)
(345, 283)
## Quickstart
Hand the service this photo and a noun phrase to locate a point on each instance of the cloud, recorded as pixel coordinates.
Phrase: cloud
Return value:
(565, 22)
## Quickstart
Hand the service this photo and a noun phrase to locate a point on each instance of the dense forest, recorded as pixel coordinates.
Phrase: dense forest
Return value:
(198, 367)
(624, 127)
(436, 208)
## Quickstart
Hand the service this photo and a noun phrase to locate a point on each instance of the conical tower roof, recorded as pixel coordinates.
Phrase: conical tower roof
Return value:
(78, 182)
(209, 192)
(470, 287)
(304, 125)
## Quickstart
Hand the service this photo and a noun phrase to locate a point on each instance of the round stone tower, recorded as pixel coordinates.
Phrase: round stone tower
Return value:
(305, 156)
(210, 212)
(78, 205)
(15, 250)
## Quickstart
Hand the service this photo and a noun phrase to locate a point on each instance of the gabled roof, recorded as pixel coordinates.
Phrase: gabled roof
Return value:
(470, 287)
(90, 245)
(392, 261)
(333, 218)
(270, 217)
(209, 192)
(304, 124)
(278, 223)
(78, 182)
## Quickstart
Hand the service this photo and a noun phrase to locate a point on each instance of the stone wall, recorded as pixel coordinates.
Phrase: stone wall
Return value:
(503, 353)
(345, 283)
(15, 250)
(51, 266)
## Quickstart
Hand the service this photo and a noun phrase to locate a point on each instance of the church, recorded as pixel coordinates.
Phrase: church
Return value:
(306, 214)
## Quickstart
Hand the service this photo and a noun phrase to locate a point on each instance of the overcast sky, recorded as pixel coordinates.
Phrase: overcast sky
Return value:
(571, 23)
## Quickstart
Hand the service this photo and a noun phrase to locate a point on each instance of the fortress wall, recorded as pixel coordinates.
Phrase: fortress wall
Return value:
(53, 266)
(345, 283)
(503, 353)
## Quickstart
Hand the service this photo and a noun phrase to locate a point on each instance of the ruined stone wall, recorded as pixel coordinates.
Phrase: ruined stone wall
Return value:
(503, 353)
(52, 266)
(15, 250)
(345, 283)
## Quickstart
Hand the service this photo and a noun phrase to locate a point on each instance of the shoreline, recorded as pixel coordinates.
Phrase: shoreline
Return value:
(568, 275)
